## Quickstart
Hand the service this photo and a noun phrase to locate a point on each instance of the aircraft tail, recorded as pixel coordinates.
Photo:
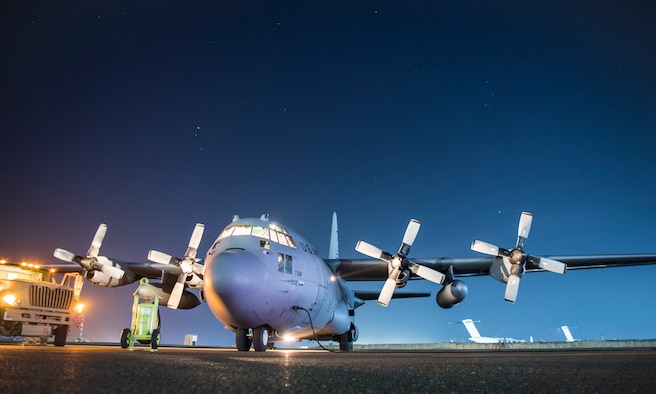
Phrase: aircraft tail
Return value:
(333, 249)
(568, 334)
(471, 328)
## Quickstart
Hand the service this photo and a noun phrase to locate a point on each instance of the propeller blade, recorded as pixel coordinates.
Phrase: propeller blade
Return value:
(552, 265)
(97, 241)
(369, 250)
(112, 271)
(428, 273)
(388, 288)
(64, 255)
(525, 222)
(194, 241)
(176, 294)
(411, 232)
(512, 287)
(159, 257)
(485, 248)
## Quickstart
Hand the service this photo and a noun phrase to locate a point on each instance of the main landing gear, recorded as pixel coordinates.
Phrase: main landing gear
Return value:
(346, 340)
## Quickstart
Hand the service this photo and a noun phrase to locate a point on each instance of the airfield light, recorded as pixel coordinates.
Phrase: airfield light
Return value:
(3, 261)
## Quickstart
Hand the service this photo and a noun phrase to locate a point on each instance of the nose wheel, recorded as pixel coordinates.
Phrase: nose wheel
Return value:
(243, 339)
(260, 339)
(257, 337)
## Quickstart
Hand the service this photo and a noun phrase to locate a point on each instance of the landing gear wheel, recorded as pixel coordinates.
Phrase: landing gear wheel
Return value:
(154, 339)
(60, 335)
(344, 344)
(346, 340)
(125, 338)
(260, 338)
(243, 340)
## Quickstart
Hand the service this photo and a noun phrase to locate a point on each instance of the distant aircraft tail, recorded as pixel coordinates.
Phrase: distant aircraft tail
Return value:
(471, 328)
(568, 334)
(333, 249)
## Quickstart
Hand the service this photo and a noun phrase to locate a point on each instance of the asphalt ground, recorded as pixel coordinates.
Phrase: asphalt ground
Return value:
(109, 369)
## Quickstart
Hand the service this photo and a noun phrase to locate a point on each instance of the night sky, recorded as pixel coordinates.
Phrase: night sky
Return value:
(460, 114)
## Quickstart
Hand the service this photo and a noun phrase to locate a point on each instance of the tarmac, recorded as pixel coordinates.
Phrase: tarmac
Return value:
(110, 369)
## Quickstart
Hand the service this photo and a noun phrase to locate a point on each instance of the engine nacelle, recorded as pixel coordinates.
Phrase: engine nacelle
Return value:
(102, 279)
(402, 279)
(451, 294)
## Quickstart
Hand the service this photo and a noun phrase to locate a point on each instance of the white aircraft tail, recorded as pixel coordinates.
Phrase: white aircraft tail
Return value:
(471, 328)
(333, 249)
(568, 334)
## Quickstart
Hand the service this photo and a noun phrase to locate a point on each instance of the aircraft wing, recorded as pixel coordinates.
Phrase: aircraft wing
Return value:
(604, 261)
(138, 269)
(376, 270)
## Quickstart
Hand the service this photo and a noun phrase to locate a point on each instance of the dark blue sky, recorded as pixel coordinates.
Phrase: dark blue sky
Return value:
(460, 114)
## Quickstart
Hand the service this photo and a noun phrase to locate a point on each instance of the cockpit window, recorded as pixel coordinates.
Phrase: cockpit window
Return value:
(279, 229)
(226, 233)
(274, 232)
(242, 229)
(260, 231)
(290, 241)
(282, 239)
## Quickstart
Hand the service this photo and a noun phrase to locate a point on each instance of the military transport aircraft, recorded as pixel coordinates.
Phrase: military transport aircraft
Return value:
(267, 283)
(475, 336)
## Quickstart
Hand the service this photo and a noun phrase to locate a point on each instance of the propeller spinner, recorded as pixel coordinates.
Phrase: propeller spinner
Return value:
(186, 264)
(399, 262)
(92, 262)
(518, 258)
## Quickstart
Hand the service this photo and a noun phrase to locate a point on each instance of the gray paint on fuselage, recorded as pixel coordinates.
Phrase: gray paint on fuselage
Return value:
(245, 289)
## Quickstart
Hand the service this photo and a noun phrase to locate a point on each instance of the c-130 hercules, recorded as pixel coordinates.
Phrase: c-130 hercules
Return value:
(267, 283)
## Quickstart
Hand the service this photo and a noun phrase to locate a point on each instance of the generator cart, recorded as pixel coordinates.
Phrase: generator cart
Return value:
(145, 319)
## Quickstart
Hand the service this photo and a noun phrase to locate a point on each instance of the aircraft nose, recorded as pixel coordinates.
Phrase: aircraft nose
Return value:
(235, 281)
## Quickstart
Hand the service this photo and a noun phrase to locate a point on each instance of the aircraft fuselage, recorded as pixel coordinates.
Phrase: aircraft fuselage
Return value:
(258, 274)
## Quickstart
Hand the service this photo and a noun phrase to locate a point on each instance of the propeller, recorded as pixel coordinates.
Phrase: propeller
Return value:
(92, 262)
(517, 258)
(186, 264)
(399, 263)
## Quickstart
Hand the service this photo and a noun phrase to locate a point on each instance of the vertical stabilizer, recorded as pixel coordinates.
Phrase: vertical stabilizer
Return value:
(333, 249)
(471, 328)
(568, 334)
